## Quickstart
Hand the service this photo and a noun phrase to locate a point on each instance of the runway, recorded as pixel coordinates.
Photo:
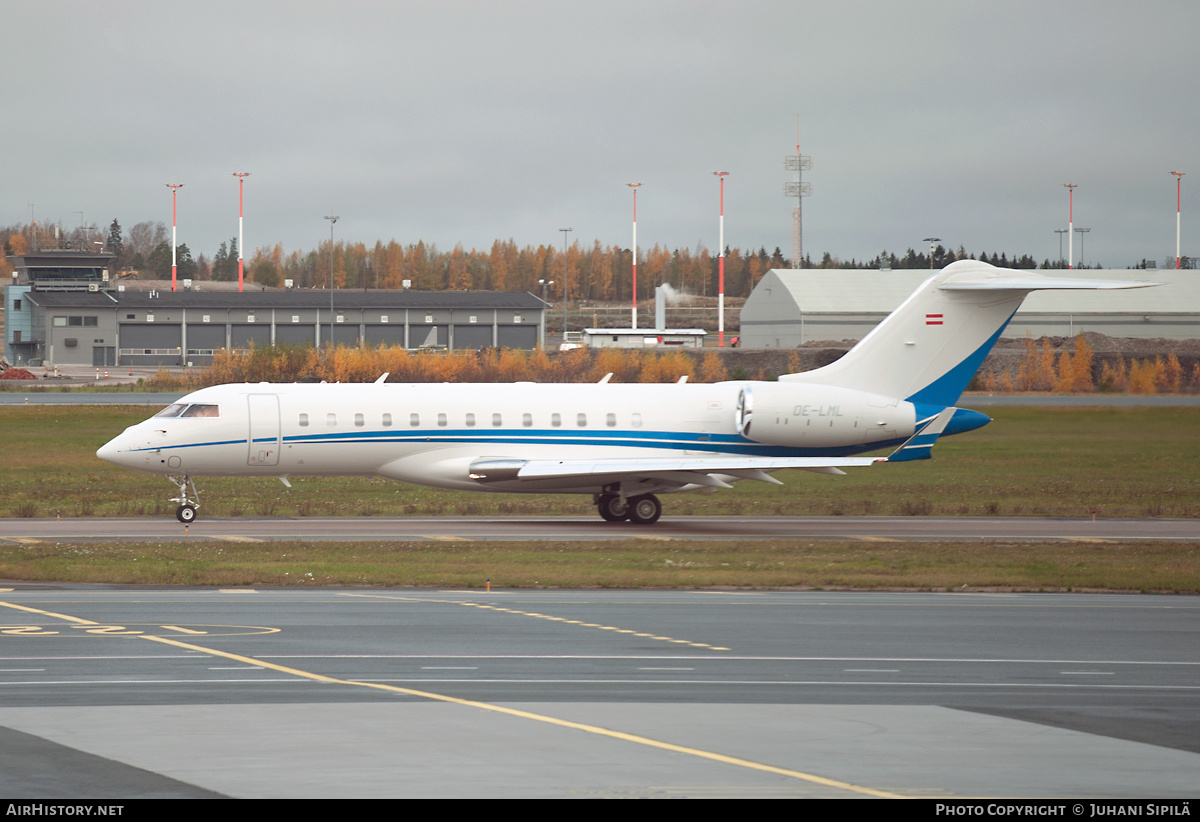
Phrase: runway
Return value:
(325, 529)
(125, 692)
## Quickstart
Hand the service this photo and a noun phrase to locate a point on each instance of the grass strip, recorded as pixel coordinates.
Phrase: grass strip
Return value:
(1148, 567)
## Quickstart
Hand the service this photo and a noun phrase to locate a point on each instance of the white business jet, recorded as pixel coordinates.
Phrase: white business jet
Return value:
(623, 444)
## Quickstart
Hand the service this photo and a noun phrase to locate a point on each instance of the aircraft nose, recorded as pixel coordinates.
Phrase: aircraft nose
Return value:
(110, 452)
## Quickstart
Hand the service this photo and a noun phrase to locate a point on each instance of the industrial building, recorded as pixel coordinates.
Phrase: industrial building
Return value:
(789, 307)
(64, 309)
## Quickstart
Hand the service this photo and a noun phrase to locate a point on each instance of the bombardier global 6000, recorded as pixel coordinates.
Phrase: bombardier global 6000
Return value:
(896, 390)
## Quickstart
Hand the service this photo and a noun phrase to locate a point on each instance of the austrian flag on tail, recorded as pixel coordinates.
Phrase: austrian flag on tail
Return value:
(933, 319)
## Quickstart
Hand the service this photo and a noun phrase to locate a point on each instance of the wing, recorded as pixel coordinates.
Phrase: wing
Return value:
(680, 471)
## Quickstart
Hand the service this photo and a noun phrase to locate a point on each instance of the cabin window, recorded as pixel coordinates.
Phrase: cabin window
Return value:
(441, 420)
(610, 420)
(556, 420)
(581, 420)
(527, 420)
(304, 420)
(636, 420)
(414, 420)
(470, 420)
(359, 421)
(331, 419)
(497, 421)
(387, 420)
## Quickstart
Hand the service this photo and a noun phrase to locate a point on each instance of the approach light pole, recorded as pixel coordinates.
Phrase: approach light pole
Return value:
(1178, 180)
(1071, 224)
(241, 175)
(332, 219)
(634, 186)
(565, 231)
(174, 190)
(933, 241)
(721, 175)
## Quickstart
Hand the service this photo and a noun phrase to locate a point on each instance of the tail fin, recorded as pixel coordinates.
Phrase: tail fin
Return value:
(927, 350)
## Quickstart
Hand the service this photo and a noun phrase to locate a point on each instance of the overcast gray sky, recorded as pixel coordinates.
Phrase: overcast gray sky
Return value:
(466, 122)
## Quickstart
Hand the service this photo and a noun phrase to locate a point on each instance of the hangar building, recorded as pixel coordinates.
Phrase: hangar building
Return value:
(789, 307)
(78, 317)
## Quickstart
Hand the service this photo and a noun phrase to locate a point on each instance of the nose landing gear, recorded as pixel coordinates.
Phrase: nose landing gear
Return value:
(186, 512)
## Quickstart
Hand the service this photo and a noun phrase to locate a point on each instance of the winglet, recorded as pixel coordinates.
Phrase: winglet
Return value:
(920, 444)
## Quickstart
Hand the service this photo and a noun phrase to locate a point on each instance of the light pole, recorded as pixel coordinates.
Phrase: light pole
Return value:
(1082, 256)
(721, 175)
(332, 219)
(1178, 180)
(565, 231)
(241, 175)
(933, 241)
(174, 190)
(634, 186)
(1071, 224)
(1060, 232)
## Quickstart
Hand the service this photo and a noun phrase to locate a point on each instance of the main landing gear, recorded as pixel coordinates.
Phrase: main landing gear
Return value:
(186, 512)
(641, 510)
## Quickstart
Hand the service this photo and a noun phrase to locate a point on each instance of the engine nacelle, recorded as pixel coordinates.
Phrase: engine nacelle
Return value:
(818, 416)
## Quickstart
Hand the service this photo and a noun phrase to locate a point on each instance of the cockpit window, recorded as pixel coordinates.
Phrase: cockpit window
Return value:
(181, 409)
(202, 410)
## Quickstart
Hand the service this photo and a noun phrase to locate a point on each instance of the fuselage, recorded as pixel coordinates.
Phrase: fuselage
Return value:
(431, 434)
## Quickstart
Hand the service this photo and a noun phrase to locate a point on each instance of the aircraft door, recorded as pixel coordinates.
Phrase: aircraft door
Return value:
(263, 437)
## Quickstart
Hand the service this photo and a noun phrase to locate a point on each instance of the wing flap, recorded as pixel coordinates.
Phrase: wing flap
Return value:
(689, 469)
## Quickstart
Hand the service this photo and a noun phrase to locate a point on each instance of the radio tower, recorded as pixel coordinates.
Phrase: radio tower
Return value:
(799, 189)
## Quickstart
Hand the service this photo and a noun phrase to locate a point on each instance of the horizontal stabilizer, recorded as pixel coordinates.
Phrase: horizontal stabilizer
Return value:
(1036, 283)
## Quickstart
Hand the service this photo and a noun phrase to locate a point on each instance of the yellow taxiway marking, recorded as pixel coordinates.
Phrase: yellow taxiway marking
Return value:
(500, 709)
(237, 591)
(184, 630)
(25, 540)
(444, 538)
(874, 539)
(27, 609)
(587, 625)
(535, 615)
(234, 538)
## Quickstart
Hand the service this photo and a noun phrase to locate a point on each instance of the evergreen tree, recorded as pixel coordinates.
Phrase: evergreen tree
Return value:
(115, 245)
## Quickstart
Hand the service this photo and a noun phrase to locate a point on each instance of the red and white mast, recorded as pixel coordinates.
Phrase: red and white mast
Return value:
(1071, 225)
(634, 186)
(721, 175)
(1178, 180)
(174, 191)
(241, 175)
